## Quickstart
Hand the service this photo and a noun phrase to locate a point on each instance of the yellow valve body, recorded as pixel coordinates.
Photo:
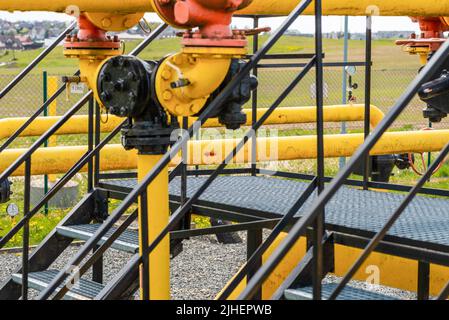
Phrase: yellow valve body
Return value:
(205, 69)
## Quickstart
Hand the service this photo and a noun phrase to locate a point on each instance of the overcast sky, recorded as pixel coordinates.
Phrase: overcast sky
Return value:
(304, 24)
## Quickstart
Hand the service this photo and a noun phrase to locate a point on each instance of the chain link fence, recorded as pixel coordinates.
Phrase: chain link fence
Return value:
(387, 86)
(28, 96)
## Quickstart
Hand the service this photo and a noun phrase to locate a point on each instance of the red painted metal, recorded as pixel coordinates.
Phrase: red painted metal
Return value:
(90, 37)
(212, 18)
(432, 33)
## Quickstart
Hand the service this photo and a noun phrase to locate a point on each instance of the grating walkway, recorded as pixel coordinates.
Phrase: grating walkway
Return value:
(426, 220)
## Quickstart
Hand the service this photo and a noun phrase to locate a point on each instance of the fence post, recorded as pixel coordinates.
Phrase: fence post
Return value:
(345, 80)
(45, 98)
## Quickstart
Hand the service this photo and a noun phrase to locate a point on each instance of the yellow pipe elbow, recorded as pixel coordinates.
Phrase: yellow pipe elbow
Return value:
(204, 73)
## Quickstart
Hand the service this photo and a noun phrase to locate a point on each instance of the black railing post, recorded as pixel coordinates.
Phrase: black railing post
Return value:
(184, 161)
(97, 142)
(92, 175)
(423, 280)
(367, 122)
(145, 267)
(253, 242)
(90, 144)
(319, 227)
(26, 229)
(254, 102)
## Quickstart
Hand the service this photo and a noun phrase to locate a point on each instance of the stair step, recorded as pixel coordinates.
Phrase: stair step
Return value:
(128, 240)
(348, 293)
(84, 290)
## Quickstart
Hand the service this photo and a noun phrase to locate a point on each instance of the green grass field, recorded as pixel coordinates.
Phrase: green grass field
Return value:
(392, 72)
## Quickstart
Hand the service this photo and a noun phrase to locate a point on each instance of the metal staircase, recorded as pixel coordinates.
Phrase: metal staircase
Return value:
(297, 207)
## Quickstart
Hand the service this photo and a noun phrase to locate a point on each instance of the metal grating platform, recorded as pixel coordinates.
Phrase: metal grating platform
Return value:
(128, 240)
(426, 220)
(348, 293)
(84, 290)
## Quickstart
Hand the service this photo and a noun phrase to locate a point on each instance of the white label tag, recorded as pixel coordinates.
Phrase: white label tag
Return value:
(77, 88)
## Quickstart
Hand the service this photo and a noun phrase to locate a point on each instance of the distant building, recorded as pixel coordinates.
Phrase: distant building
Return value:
(11, 43)
(28, 44)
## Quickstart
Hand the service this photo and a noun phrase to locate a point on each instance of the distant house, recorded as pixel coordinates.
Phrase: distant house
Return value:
(28, 44)
(11, 43)
(38, 33)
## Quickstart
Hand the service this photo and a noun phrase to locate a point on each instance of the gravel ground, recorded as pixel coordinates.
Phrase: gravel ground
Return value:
(199, 272)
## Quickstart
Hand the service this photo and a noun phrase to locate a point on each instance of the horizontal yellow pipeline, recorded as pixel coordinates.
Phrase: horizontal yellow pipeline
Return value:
(265, 7)
(301, 115)
(114, 157)
(76, 125)
(287, 115)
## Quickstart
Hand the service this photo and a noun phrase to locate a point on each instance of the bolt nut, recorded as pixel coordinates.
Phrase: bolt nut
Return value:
(167, 95)
(166, 74)
(128, 23)
(106, 22)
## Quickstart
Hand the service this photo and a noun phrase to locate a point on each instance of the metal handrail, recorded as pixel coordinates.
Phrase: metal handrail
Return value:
(59, 184)
(60, 90)
(85, 159)
(36, 61)
(309, 217)
(39, 142)
(164, 161)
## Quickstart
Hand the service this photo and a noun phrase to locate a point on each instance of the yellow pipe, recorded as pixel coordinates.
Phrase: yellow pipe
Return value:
(75, 125)
(265, 7)
(157, 219)
(287, 115)
(52, 87)
(209, 152)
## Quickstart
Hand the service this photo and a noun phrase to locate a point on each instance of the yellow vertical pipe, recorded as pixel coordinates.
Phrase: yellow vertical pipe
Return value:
(157, 217)
(52, 87)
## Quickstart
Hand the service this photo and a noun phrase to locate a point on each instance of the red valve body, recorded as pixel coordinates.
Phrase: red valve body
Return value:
(212, 17)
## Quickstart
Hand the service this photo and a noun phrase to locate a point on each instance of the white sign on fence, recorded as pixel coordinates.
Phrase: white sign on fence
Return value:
(77, 88)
